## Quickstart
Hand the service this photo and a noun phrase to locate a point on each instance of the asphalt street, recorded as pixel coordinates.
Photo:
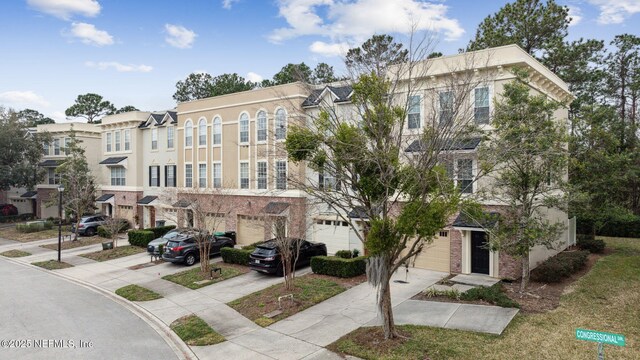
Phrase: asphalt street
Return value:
(45, 317)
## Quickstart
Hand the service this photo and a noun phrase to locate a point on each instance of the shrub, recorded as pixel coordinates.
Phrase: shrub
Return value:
(236, 256)
(339, 267)
(8, 210)
(560, 266)
(160, 230)
(590, 243)
(355, 253)
(35, 227)
(102, 232)
(624, 227)
(492, 294)
(345, 254)
(140, 238)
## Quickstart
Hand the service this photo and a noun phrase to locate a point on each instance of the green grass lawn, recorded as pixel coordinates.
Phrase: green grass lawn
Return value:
(195, 279)
(15, 253)
(605, 299)
(137, 293)
(12, 234)
(82, 241)
(120, 251)
(52, 264)
(195, 331)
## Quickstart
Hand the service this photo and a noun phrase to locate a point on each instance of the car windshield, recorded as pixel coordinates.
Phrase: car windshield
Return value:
(170, 235)
(172, 244)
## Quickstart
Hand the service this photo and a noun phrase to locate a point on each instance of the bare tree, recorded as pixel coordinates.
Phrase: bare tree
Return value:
(113, 226)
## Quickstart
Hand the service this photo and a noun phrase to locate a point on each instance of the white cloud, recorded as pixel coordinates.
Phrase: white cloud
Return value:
(65, 9)
(359, 19)
(58, 116)
(325, 49)
(22, 99)
(575, 13)
(104, 65)
(179, 36)
(615, 11)
(89, 34)
(253, 77)
(227, 4)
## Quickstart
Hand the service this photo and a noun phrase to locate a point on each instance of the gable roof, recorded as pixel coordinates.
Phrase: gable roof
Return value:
(275, 208)
(160, 118)
(29, 194)
(340, 94)
(104, 197)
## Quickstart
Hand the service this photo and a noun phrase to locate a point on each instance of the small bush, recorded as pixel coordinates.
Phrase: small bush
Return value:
(102, 232)
(140, 238)
(493, 294)
(560, 266)
(236, 256)
(339, 267)
(355, 253)
(160, 230)
(345, 254)
(31, 228)
(590, 243)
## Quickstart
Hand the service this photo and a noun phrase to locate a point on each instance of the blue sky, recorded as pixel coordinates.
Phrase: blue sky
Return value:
(133, 52)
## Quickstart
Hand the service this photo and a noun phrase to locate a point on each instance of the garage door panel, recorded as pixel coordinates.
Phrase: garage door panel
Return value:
(333, 233)
(214, 223)
(249, 230)
(435, 255)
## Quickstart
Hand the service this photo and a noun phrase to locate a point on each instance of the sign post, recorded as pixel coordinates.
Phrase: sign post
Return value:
(601, 338)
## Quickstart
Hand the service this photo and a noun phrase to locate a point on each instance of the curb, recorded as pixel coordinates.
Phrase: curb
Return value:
(182, 350)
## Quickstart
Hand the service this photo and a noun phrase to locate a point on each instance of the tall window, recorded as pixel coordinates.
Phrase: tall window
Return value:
(244, 175)
(154, 175)
(465, 175)
(327, 180)
(170, 175)
(281, 124)
(53, 176)
(262, 126)
(481, 108)
(188, 133)
(188, 175)
(281, 175)
(117, 140)
(262, 174)
(171, 133)
(244, 128)
(118, 176)
(413, 112)
(45, 147)
(67, 141)
(217, 175)
(446, 107)
(202, 175)
(217, 131)
(56, 146)
(127, 140)
(202, 132)
(108, 141)
(154, 139)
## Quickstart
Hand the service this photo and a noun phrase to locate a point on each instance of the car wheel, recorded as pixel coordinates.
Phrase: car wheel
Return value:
(190, 259)
(90, 231)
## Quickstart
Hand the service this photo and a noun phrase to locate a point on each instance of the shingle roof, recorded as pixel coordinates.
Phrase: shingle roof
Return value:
(173, 115)
(104, 197)
(182, 203)
(357, 213)
(464, 144)
(29, 194)
(146, 200)
(112, 160)
(275, 208)
(341, 92)
(51, 163)
(486, 221)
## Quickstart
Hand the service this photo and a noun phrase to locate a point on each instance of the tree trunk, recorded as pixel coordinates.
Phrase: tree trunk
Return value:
(525, 273)
(386, 311)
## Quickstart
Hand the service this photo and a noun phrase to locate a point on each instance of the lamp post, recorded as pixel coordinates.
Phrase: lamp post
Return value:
(60, 190)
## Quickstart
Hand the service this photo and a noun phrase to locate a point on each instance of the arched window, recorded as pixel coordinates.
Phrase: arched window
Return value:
(202, 132)
(217, 131)
(281, 124)
(244, 128)
(188, 133)
(262, 126)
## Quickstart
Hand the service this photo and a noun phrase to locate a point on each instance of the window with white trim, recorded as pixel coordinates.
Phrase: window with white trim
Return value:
(261, 174)
(244, 175)
(446, 107)
(67, 141)
(413, 112)
(117, 140)
(171, 134)
(118, 176)
(53, 177)
(127, 140)
(481, 105)
(202, 132)
(465, 175)
(154, 139)
(154, 175)
(217, 131)
(327, 181)
(262, 126)
(281, 175)
(56, 146)
(108, 141)
(244, 128)
(281, 124)
(170, 176)
(202, 175)
(217, 175)
(188, 175)
(45, 148)
(188, 133)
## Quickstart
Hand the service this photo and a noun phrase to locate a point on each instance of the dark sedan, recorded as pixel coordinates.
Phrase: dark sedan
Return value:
(266, 257)
(184, 249)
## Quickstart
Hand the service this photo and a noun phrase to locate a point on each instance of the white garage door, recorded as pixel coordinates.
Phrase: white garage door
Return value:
(436, 255)
(214, 223)
(335, 234)
(250, 229)
(126, 212)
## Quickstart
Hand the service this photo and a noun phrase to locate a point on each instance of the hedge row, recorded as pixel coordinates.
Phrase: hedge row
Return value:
(560, 266)
(617, 228)
(590, 243)
(15, 218)
(35, 227)
(140, 238)
(235, 256)
(160, 230)
(337, 266)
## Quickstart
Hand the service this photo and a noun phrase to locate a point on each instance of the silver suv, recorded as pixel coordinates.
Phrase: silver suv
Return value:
(89, 224)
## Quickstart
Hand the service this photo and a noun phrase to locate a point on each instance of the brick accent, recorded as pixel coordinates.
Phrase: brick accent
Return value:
(455, 262)
(126, 198)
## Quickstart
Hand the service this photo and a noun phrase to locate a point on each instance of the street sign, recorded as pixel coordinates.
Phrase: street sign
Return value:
(600, 337)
